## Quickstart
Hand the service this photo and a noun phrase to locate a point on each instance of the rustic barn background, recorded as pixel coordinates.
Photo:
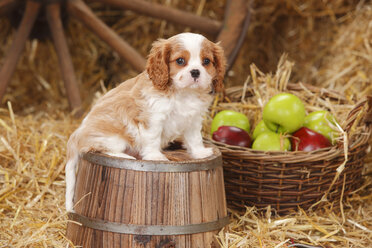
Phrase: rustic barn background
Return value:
(329, 42)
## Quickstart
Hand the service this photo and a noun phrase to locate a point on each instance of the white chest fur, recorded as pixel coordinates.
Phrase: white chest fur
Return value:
(173, 115)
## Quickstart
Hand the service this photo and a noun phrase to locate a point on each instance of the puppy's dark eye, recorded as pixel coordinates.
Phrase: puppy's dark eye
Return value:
(206, 61)
(180, 61)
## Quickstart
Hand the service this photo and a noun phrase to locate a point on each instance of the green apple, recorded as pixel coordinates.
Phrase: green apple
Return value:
(260, 128)
(284, 113)
(270, 141)
(321, 122)
(230, 118)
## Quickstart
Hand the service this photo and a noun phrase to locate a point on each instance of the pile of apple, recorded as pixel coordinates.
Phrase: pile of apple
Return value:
(284, 127)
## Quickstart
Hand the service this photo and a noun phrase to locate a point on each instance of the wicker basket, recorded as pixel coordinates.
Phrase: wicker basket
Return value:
(287, 180)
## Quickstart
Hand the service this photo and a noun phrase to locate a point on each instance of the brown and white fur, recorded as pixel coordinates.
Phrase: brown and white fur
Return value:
(165, 102)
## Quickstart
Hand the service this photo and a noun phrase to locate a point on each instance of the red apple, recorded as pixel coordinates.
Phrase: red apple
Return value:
(232, 136)
(305, 139)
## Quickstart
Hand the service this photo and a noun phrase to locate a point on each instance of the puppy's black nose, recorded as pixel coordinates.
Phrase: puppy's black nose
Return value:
(195, 73)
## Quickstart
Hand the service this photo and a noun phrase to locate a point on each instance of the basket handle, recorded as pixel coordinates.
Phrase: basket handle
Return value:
(352, 116)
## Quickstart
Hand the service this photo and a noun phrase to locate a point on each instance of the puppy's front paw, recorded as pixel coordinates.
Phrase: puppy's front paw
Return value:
(155, 156)
(202, 152)
(69, 207)
(120, 155)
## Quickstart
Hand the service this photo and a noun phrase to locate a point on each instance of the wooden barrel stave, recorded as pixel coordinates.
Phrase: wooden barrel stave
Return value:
(146, 198)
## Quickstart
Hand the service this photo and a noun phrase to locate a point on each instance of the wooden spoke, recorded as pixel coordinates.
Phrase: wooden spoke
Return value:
(65, 62)
(24, 29)
(167, 13)
(236, 23)
(234, 53)
(82, 12)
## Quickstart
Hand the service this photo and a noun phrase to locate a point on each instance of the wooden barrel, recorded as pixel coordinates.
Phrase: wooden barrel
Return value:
(135, 203)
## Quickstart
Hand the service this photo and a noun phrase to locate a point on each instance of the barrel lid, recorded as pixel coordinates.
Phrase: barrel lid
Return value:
(208, 163)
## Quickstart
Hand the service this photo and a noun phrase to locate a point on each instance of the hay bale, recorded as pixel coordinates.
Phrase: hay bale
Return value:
(349, 57)
(32, 160)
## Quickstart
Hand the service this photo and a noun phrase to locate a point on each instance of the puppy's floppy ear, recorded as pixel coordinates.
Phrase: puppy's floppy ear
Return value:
(220, 65)
(158, 64)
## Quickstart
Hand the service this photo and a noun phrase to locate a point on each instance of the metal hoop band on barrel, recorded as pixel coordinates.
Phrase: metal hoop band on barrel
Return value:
(148, 229)
(213, 162)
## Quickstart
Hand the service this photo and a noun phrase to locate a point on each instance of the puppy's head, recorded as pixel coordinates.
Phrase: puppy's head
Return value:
(186, 60)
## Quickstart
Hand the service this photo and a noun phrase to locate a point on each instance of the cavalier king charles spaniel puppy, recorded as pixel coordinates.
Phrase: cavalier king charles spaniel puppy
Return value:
(144, 114)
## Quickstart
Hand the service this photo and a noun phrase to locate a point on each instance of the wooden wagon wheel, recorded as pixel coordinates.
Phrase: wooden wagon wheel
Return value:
(231, 32)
